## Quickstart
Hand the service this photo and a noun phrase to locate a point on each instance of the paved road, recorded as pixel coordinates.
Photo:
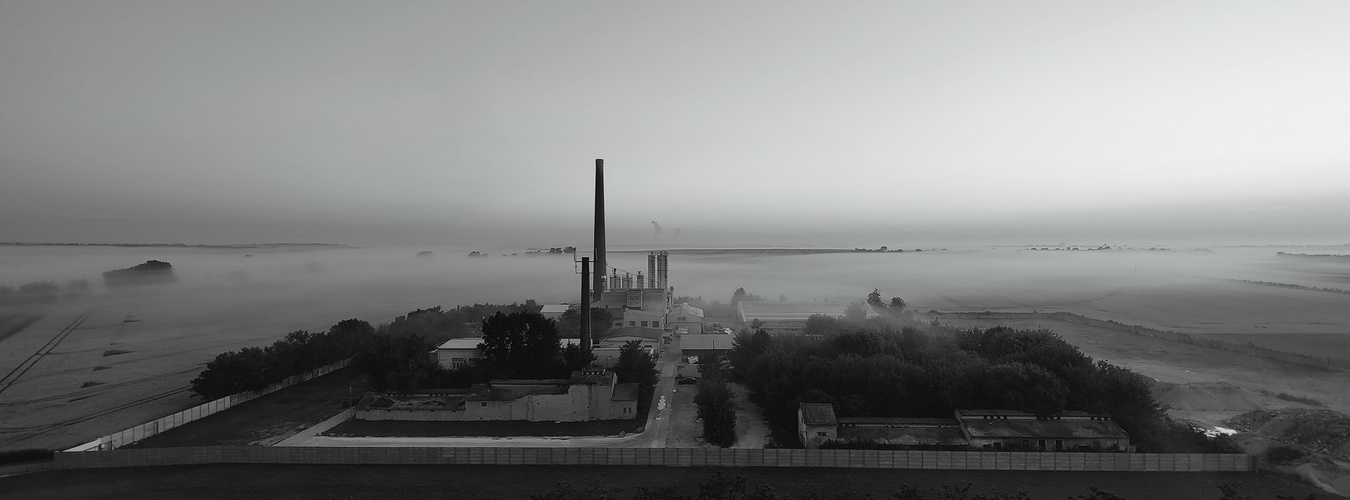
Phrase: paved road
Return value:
(654, 434)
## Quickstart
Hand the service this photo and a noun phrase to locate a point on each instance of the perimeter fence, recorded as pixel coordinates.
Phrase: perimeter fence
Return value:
(666, 457)
(153, 427)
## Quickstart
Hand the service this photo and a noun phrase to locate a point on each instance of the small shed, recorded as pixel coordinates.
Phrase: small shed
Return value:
(816, 424)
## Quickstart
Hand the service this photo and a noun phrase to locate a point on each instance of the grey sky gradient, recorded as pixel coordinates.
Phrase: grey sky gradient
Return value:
(738, 122)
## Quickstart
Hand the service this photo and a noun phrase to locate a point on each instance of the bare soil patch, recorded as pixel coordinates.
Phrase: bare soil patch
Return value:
(519, 482)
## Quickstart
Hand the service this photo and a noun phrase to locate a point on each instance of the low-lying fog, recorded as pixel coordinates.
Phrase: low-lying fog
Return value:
(313, 287)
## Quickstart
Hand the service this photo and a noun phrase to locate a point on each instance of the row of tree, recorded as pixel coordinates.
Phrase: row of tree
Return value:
(716, 404)
(41, 292)
(254, 368)
(873, 369)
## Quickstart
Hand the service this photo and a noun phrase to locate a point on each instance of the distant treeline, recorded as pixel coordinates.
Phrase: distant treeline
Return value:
(1314, 255)
(150, 273)
(174, 245)
(1291, 285)
(41, 292)
(874, 369)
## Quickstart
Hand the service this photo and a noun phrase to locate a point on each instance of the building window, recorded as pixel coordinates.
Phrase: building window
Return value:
(632, 323)
(682, 319)
(644, 323)
(821, 434)
(484, 404)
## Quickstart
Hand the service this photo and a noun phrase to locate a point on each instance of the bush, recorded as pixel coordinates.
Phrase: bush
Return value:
(1284, 455)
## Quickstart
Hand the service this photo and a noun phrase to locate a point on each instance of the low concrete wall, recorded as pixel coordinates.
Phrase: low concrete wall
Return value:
(669, 457)
(145, 430)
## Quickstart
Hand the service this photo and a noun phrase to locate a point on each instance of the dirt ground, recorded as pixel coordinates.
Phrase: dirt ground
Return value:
(269, 419)
(506, 482)
(686, 430)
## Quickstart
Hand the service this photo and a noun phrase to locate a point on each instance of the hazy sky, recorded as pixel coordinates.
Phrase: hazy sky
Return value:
(738, 122)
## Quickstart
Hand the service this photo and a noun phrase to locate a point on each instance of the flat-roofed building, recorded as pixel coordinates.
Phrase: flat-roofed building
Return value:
(907, 433)
(457, 353)
(685, 319)
(706, 345)
(971, 429)
(1063, 431)
(586, 395)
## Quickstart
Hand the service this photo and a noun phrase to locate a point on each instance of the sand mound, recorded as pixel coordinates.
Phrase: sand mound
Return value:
(1322, 431)
(1207, 396)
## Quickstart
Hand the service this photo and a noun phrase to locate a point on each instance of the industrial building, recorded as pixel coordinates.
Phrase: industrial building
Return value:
(1002, 430)
(587, 395)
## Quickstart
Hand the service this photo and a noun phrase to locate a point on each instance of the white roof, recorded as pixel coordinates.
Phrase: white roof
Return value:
(461, 343)
(685, 308)
(555, 308)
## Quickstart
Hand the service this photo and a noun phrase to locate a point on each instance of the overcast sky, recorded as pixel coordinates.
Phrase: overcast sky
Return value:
(737, 122)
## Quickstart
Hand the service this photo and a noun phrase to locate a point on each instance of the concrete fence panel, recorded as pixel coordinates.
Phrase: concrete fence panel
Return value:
(673, 457)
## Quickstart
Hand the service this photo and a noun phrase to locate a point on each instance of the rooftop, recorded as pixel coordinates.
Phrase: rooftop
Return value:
(818, 414)
(718, 342)
(511, 390)
(903, 431)
(625, 392)
(1047, 428)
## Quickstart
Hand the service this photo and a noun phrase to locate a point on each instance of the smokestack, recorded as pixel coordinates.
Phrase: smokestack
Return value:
(600, 265)
(651, 271)
(585, 306)
(663, 270)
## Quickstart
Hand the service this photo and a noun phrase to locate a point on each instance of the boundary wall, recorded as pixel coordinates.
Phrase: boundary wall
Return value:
(153, 427)
(667, 457)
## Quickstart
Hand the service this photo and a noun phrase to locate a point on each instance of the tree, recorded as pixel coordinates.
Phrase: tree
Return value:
(1024, 387)
(716, 406)
(577, 358)
(395, 362)
(874, 298)
(636, 365)
(856, 312)
(744, 348)
(232, 372)
(521, 345)
(569, 323)
(897, 304)
(741, 295)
